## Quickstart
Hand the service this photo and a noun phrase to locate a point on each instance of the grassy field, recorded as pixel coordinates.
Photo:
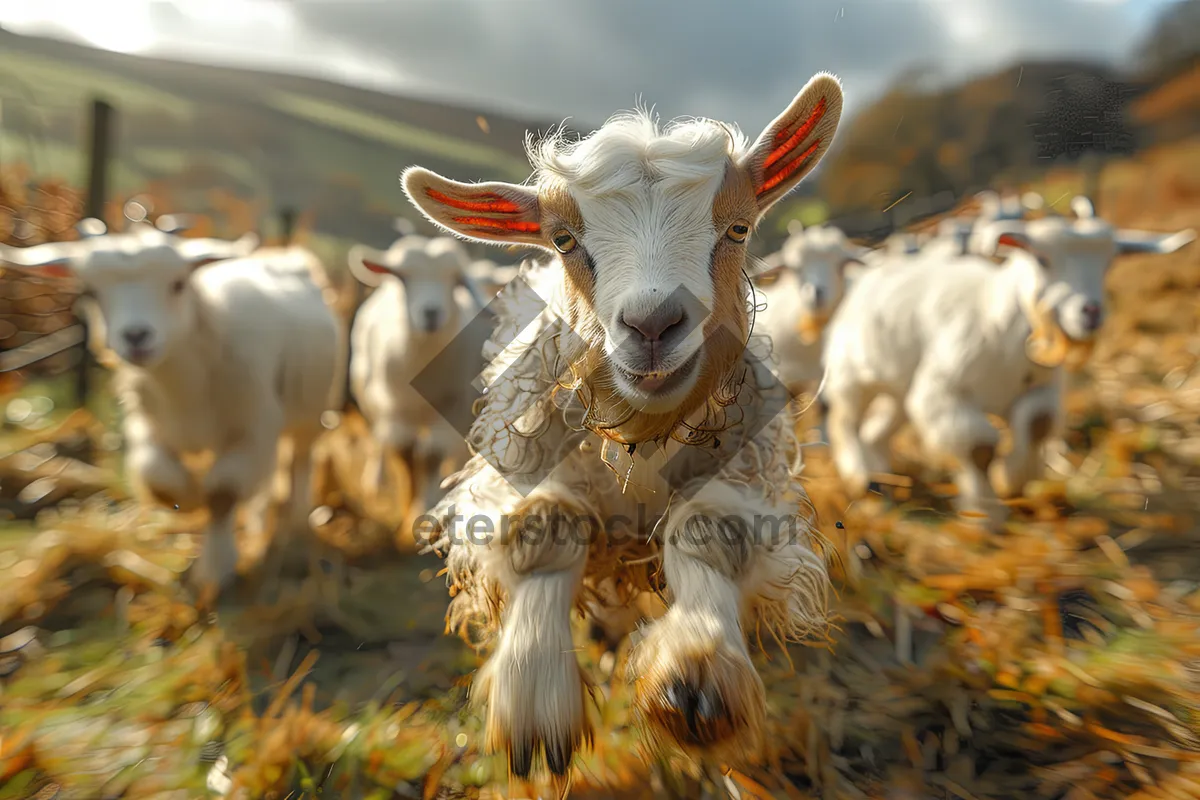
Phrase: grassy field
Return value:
(1058, 660)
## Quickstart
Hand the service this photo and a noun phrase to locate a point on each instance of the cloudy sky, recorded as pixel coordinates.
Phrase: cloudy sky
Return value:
(738, 60)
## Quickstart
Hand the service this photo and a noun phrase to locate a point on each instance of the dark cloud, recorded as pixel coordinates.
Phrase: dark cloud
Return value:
(736, 61)
(739, 61)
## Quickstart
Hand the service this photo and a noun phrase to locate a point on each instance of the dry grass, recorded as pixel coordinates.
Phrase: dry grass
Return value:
(1058, 660)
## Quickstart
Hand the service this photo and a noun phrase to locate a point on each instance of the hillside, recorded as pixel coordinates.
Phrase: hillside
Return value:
(1001, 130)
(333, 150)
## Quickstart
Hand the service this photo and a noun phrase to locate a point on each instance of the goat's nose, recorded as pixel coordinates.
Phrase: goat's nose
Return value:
(818, 296)
(1093, 314)
(136, 337)
(431, 319)
(653, 325)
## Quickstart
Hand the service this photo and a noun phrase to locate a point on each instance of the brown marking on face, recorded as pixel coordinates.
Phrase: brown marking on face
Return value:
(559, 210)
(734, 202)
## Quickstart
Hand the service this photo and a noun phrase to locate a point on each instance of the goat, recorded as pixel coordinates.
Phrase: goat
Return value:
(946, 342)
(411, 317)
(611, 372)
(817, 263)
(229, 359)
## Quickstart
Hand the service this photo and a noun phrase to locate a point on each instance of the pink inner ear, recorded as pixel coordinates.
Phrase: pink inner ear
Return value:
(56, 271)
(376, 268)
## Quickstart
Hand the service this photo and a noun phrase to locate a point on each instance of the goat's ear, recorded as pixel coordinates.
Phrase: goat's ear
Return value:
(1144, 242)
(367, 264)
(793, 144)
(496, 213)
(51, 260)
(1014, 239)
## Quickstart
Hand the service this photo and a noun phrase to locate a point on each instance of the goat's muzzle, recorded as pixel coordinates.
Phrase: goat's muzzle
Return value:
(811, 325)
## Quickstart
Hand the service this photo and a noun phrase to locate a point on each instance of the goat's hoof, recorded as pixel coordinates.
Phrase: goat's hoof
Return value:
(704, 699)
(535, 705)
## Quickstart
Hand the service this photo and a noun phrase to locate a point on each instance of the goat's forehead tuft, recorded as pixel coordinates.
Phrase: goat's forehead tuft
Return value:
(632, 149)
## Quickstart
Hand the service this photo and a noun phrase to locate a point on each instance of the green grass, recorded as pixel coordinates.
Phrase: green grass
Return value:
(396, 134)
(53, 83)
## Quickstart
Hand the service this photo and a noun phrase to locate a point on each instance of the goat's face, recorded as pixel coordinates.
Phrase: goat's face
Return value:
(651, 228)
(430, 270)
(144, 299)
(137, 284)
(1074, 257)
(821, 256)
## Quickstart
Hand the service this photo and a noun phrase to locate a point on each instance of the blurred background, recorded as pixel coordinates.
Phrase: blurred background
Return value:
(294, 119)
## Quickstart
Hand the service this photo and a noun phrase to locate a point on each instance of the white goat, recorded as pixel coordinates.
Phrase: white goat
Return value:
(405, 323)
(227, 359)
(817, 263)
(609, 415)
(946, 342)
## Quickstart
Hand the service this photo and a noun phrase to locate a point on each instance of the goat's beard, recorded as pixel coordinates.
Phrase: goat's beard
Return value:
(1048, 345)
(811, 325)
(608, 413)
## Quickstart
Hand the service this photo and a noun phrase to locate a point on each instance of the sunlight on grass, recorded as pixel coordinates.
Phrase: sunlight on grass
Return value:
(397, 134)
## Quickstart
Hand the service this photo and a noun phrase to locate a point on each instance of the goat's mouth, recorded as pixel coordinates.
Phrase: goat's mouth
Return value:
(139, 356)
(656, 387)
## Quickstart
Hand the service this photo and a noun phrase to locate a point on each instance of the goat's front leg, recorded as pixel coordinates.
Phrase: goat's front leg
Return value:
(885, 416)
(843, 422)
(725, 555)
(293, 547)
(155, 472)
(238, 474)
(1034, 418)
(392, 439)
(951, 425)
(532, 684)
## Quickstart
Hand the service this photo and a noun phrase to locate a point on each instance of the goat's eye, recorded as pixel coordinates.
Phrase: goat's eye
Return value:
(564, 242)
(177, 286)
(738, 231)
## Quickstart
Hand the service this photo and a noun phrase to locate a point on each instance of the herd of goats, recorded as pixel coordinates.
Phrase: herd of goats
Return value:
(645, 336)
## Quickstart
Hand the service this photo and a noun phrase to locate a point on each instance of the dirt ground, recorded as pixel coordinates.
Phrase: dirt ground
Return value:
(1057, 660)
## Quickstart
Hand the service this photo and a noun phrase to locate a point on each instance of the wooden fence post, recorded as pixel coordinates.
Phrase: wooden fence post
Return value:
(99, 154)
(287, 224)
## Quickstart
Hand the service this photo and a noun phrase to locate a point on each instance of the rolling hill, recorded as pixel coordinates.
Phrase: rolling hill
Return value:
(333, 150)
